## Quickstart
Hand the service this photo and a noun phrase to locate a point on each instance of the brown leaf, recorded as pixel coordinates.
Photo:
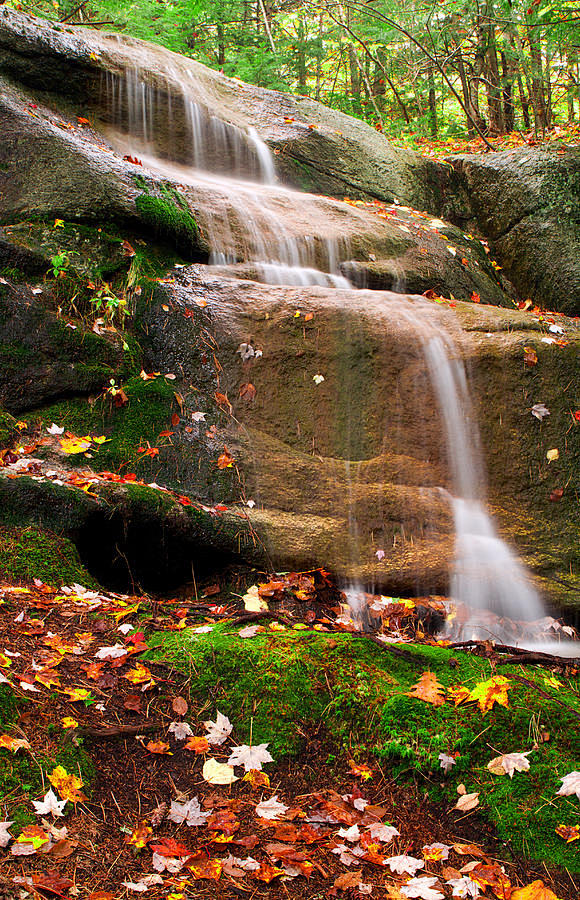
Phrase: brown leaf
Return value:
(62, 849)
(348, 880)
(179, 706)
(133, 702)
(248, 392)
(53, 882)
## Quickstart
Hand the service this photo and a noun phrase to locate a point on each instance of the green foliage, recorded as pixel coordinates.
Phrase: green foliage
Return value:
(281, 687)
(32, 552)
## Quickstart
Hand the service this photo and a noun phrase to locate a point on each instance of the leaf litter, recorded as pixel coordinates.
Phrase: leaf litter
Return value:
(168, 821)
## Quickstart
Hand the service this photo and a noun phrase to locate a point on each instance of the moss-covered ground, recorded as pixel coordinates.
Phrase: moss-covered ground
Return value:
(283, 687)
(32, 552)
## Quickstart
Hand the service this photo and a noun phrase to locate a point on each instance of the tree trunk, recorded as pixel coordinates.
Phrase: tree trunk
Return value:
(493, 84)
(432, 103)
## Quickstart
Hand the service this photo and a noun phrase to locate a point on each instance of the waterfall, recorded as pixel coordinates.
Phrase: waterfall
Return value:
(179, 138)
(244, 215)
(487, 576)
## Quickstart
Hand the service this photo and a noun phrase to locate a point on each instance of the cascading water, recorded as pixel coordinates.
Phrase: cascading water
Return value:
(244, 218)
(487, 576)
(179, 138)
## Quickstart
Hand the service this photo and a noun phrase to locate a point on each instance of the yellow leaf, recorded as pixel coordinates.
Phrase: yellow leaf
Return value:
(69, 722)
(34, 835)
(74, 445)
(218, 773)
(67, 785)
(59, 223)
(139, 675)
(487, 693)
(76, 695)
(553, 455)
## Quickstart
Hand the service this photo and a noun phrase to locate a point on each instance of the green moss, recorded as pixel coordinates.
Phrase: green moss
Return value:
(8, 428)
(281, 687)
(130, 427)
(170, 217)
(31, 552)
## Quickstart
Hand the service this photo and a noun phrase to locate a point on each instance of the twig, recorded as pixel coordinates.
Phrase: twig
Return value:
(111, 734)
(545, 694)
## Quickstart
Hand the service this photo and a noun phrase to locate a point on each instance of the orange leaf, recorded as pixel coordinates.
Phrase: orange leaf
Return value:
(158, 747)
(428, 689)
(225, 460)
(197, 744)
(537, 890)
(493, 877)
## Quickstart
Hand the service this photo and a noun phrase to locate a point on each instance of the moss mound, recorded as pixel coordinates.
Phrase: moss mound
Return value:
(282, 687)
(31, 552)
(137, 424)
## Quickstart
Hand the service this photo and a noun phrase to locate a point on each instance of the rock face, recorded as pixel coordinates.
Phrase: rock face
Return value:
(527, 203)
(286, 425)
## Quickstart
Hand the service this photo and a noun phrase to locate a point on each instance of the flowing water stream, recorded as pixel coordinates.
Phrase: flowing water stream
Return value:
(244, 216)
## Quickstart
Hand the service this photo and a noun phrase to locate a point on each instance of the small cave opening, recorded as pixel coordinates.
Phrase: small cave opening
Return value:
(132, 556)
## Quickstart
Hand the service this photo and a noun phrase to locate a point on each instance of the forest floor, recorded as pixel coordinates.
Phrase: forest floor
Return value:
(119, 717)
(561, 137)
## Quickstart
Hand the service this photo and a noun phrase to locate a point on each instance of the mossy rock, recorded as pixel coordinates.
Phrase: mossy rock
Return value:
(128, 535)
(8, 429)
(130, 429)
(43, 356)
(285, 687)
(166, 212)
(32, 552)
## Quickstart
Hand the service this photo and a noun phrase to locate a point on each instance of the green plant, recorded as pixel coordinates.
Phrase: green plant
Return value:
(106, 301)
(60, 262)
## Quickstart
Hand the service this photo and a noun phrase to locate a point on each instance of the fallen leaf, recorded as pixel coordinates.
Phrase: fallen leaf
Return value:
(568, 832)
(271, 809)
(188, 812)
(421, 888)
(197, 744)
(467, 802)
(570, 785)
(487, 693)
(218, 731)
(67, 785)
(405, 865)
(50, 805)
(250, 757)
(218, 773)
(428, 689)
(537, 890)
(509, 763)
(158, 747)
(179, 706)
